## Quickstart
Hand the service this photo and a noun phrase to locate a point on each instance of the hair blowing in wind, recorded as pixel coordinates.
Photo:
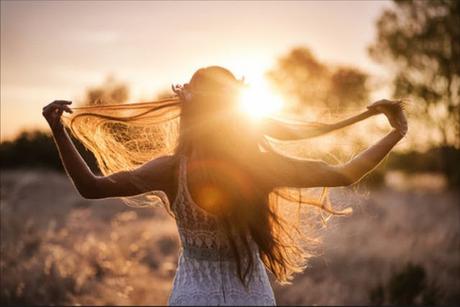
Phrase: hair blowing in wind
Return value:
(226, 153)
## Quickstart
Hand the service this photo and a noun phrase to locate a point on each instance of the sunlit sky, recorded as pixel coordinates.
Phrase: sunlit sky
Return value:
(57, 49)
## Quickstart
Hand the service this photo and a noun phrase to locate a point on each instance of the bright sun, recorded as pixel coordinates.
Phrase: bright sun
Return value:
(258, 100)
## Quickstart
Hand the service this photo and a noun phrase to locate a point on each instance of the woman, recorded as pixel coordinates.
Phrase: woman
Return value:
(221, 183)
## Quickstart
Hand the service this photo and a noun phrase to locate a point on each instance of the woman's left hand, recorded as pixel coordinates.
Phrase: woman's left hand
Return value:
(394, 111)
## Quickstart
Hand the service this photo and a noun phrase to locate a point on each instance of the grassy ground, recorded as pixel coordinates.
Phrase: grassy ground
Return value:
(57, 248)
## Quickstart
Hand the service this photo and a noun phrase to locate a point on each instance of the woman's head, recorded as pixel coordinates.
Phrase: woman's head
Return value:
(213, 80)
(211, 117)
(211, 90)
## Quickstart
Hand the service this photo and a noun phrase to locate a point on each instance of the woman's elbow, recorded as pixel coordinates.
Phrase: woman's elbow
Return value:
(345, 178)
(348, 180)
(89, 194)
(90, 191)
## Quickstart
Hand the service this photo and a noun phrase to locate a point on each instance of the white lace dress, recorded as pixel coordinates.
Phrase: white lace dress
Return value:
(206, 272)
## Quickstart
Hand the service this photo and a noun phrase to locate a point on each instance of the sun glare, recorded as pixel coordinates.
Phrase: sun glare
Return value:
(258, 100)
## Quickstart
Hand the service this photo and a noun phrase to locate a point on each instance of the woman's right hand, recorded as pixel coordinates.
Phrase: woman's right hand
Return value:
(53, 112)
(394, 111)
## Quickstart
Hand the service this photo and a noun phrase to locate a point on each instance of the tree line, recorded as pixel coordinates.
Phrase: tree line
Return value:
(418, 41)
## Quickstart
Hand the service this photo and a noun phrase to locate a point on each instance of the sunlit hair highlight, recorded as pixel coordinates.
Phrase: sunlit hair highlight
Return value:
(123, 137)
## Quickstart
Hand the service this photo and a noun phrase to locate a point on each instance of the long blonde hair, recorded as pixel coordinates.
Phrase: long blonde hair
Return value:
(123, 137)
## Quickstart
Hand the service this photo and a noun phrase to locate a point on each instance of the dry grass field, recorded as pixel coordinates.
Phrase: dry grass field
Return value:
(57, 248)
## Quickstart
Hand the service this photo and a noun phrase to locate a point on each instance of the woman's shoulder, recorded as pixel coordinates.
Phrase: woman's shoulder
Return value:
(164, 171)
(166, 159)
(160, 171)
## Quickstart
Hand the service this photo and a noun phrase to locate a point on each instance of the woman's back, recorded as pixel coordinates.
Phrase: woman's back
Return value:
(207, 269)
(220, 262)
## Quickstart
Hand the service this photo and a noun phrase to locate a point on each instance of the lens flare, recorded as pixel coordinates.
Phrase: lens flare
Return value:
(258, 100)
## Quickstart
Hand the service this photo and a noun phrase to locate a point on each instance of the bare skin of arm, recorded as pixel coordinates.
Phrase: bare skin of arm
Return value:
(154, 175)
(311, 173)
(158, 174)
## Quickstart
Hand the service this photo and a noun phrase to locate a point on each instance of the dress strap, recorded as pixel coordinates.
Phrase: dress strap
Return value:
(183, 176)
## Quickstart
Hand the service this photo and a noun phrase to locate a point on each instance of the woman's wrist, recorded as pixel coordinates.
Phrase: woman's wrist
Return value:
(398, 133)
(58, 130)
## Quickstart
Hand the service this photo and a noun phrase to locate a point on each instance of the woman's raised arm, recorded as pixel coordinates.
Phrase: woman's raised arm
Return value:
(154, 175)
(311, 173)
(286, 131)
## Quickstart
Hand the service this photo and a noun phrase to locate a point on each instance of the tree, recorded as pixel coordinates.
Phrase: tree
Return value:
(33, 148)
(320, 92)
(110, 92)
(420, 41)
(305, 81)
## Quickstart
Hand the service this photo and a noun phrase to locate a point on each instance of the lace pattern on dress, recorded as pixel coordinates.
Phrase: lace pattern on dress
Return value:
(206, 272)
